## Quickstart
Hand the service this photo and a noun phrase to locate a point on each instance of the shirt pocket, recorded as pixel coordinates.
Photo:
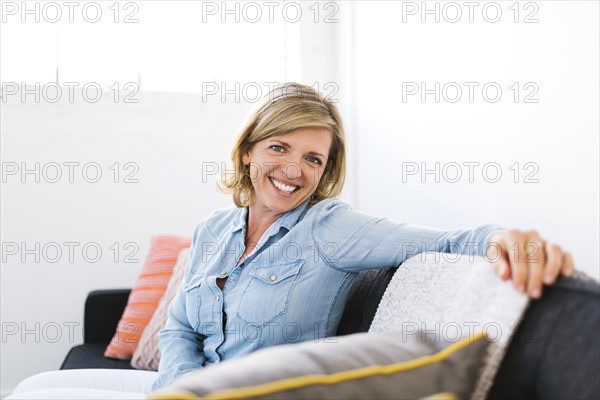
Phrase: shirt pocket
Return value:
(193, 300)
(267, 294)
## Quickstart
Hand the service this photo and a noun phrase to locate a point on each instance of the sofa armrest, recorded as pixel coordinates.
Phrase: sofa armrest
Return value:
(103, 310)
(555, 352)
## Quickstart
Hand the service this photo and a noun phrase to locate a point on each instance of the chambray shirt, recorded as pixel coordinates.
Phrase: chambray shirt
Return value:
(292, 287)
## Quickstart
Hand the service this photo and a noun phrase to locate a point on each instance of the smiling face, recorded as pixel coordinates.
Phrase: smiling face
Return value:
(286, 169)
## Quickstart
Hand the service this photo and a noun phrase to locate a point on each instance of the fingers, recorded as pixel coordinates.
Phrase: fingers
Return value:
(496, 256)
(554, 263)
(529, 260)
(535, 260)
(517, 261)
(503, 269)
(568, 266)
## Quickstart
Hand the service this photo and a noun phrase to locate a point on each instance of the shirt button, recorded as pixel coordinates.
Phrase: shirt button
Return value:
(222, 272)
(218, 298)
(273, 278)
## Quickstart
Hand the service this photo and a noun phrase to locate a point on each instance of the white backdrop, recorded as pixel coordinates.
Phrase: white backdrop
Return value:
(374, 57)
(540, 133)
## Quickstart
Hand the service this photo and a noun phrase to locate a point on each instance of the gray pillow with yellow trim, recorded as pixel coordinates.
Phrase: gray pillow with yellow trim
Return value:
(387, 365)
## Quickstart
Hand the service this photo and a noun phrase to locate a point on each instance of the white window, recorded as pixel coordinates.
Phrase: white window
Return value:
(174, 46)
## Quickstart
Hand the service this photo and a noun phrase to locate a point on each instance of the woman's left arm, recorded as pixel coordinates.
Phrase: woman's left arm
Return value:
(353, 241)
(528, 259)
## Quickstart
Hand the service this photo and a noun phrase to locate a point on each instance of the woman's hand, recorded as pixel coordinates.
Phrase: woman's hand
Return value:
(528, 259)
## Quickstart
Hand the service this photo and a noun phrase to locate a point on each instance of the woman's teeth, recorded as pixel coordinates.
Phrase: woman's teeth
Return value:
(283, 187)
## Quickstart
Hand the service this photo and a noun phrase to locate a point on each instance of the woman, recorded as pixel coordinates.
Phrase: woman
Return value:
(290, 251)
(278, 267)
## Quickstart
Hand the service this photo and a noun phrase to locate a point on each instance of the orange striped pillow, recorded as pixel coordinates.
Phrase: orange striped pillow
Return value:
(150, 286)
(147, 355)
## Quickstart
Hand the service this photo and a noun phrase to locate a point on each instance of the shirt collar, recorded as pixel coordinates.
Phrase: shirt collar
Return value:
(239, 221)
(287, 220)
(290, 218)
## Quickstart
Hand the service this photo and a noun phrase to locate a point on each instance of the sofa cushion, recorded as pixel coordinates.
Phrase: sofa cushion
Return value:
(388, 365)
(146, 294)
(147, 355)
(365, 295)
(103, 310)
(91, 356)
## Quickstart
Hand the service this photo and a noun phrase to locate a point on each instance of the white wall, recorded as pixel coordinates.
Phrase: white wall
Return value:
(167, 136)
(560, 133)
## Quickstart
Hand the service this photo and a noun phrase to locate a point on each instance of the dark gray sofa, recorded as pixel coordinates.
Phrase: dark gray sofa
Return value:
(555, 352)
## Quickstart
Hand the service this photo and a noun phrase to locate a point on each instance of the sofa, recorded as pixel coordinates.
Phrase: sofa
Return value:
(555, 352)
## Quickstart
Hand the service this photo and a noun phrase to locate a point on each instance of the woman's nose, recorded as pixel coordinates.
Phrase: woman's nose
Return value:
(292, 170)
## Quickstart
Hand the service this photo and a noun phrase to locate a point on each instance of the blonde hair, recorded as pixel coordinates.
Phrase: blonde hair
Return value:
(285, 108)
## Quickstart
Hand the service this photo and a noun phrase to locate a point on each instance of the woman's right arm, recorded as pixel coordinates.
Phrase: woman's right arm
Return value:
(181, 347)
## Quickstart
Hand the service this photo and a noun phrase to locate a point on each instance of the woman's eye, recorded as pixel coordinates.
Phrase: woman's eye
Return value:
(314, 160)
(277, 148)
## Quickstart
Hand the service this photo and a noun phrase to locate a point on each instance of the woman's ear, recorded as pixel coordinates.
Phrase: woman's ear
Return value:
(246, 158)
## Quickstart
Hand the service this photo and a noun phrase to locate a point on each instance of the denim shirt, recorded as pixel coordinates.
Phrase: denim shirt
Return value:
(294, 284)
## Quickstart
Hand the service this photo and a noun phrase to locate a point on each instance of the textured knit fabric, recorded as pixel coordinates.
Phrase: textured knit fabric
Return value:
(451, 298)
